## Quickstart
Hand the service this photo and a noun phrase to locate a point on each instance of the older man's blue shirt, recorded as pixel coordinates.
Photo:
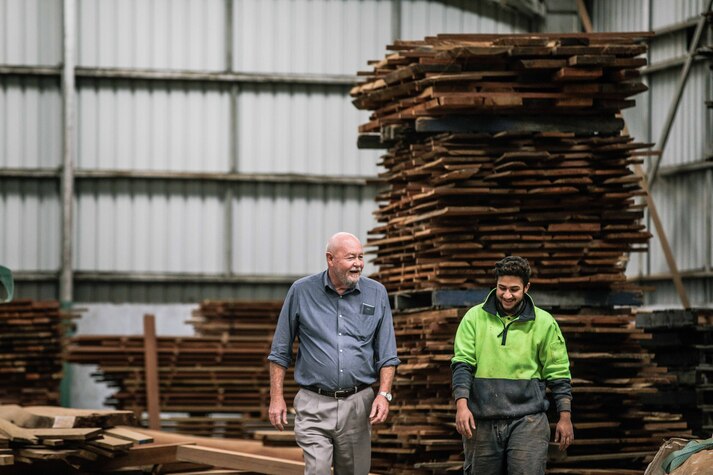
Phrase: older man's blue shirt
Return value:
(343, 340)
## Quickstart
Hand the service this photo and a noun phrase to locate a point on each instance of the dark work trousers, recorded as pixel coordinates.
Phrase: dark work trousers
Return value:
(508, 446)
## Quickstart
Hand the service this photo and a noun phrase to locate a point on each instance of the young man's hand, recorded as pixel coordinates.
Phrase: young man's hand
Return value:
(465, 423)
(564, 433)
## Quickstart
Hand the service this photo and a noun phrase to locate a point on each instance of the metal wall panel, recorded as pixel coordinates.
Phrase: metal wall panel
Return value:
(421, 18)
(668, 12)
(162, 34)
(665, 296)
(119, 292)
(29, 214)
(153, 126)
(284, 229)
(145, 226)
(617, 15)
(683, 203)
(669, 46)
(309, 36)
(30, 32)
(300, 129)
(690, 134)
(30, 123)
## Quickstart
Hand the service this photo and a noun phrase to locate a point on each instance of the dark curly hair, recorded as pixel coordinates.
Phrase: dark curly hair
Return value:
(513, 265)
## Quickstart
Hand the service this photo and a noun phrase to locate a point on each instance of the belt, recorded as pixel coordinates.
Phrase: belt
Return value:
(341, 393)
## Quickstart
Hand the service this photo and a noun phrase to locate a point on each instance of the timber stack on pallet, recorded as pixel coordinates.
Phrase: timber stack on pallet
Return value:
(614, 431)
(45, 439)
(224, 370)
(682, 341)
(502, 145)
(31, 336)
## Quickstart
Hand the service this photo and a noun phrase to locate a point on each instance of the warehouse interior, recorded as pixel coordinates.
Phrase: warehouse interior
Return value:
(168, 168)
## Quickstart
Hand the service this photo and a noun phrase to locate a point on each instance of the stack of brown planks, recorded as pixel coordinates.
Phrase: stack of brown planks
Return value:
(459, 202)
(556, 74)
(220, 378)
(512, 145)
(31, 335)
(682, 341)
(505, 144)
(53, 439)
(236, 317)
(196, 374)
(611, 372)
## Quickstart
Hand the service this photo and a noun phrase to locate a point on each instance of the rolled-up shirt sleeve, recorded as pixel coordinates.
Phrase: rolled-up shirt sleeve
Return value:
(281, 351)
(385, 339)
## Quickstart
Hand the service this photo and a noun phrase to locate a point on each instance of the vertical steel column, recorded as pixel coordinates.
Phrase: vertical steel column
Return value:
(228, 197)
(395, 19)
(683, 78)
(68, 134)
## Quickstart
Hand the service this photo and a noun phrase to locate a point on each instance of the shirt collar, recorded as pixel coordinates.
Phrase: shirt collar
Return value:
(526, 313)
(328, 285)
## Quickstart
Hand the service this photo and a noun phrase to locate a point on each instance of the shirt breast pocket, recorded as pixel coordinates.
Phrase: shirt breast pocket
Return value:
(363, 325)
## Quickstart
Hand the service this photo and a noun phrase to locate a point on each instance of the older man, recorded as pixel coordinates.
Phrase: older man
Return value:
(346, 335)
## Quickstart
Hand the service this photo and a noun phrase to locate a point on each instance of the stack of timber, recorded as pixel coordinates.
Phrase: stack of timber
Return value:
(46, 439)
(512, 145)
(42, 440)
(529, 74)
(220, 378)
(613, 430)
(196, 374)
(31, 336)
(682, 341)
(502, 145)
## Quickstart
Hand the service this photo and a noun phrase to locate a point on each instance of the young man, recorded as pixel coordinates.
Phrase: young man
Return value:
(346, 334)
(506, 351)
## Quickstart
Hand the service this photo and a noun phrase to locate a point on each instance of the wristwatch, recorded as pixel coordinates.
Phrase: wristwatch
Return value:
(388, 396)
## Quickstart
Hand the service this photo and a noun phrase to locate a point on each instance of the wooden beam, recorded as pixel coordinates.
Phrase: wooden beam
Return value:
(239, 460)
(665, 246)
(151, 371)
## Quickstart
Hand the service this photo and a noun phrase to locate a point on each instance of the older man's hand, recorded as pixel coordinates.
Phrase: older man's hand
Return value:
(278, 413)
(379, 410)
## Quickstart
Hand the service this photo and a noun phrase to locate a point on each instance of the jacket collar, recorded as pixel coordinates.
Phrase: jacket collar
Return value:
(526, 314)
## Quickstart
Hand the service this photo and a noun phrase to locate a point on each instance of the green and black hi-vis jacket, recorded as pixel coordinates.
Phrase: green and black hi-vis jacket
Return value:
(503, 369)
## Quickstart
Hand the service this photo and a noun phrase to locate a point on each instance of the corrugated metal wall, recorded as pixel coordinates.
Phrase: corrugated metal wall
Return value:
(682, 192)
(167, 238)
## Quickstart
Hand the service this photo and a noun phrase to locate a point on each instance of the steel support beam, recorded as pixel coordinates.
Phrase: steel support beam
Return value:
(219, 177)
(201, 77)
(69, 16)
(683, 78)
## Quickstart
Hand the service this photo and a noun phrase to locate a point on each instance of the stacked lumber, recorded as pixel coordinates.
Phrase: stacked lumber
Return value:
(196, 374)
(220, 378)
(58, 440)
(236, 317)
(611, 371)
(31, 334)
(505, 144)
(682, 341)
(51, 439)
(460, 202)
(556, 74)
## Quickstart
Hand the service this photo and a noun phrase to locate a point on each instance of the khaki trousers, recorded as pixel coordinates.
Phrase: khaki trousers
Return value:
(334, 432)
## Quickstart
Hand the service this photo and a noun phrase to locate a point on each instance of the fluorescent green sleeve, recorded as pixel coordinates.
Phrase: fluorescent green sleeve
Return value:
(464, 345)
(553, 354)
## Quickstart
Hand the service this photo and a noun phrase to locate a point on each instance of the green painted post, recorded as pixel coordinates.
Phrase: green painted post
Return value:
(7, 283)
